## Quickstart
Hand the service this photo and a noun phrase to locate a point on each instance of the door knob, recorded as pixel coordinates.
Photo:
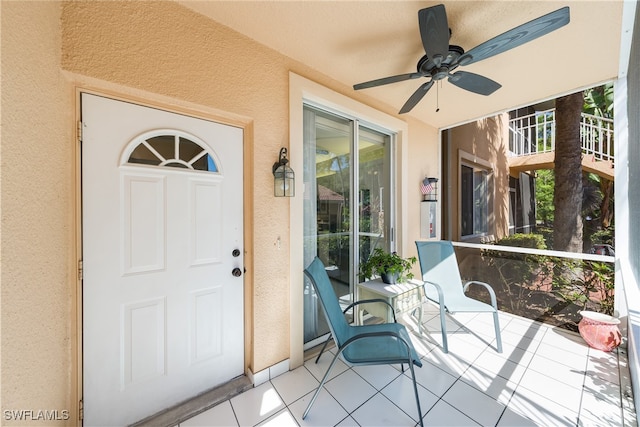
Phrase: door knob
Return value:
(236, 272)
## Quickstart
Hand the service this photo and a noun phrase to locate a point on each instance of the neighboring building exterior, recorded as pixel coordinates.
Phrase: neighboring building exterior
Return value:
(476, 169)
(490, 167)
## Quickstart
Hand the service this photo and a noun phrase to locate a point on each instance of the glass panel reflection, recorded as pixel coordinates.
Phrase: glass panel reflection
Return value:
(372, 183)
(143, 155)
(164, 145)
(188, 150)
(333, 184)
(342, 208)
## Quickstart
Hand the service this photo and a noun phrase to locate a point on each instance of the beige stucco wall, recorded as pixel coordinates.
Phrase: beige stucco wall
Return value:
(488, 141)
(423, 161)
(163, 48)
(165, 55)
(38, 239)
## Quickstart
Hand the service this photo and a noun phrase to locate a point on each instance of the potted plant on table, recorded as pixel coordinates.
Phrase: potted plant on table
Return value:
(391, 267)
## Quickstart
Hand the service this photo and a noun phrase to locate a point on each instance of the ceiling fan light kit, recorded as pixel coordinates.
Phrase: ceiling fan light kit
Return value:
(441, 58)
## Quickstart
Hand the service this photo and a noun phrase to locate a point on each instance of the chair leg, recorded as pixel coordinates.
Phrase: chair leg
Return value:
(443, 326)
(496, 324)
(323, 347)
(415, 389)
(324, 379)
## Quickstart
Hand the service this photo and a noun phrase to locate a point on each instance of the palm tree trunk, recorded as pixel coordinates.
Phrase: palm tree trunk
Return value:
(567, 195)
(606, 215)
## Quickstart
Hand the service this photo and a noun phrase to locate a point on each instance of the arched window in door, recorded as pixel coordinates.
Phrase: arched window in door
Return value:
(172, 149)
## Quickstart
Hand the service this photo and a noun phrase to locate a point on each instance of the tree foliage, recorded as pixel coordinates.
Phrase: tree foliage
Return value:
(599, 101)
(545, 183)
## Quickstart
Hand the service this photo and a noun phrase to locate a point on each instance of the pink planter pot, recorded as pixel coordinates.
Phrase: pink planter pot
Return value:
(599, 330)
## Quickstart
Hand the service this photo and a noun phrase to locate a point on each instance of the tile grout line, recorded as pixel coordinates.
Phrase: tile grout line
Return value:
(537, 346)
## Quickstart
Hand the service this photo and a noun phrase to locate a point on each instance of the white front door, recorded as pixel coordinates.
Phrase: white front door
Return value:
(162, 259)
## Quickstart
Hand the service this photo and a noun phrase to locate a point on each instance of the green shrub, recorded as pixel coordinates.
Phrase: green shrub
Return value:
(604, 237)
(532, 241)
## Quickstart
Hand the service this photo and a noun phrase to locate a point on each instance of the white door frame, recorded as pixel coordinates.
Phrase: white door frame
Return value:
(143, 98)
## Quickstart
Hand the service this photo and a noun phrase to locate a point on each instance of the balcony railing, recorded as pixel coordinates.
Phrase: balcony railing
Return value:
(535, 134)
(543, 285)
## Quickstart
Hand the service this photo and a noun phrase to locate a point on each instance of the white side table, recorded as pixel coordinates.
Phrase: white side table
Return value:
(404, 298)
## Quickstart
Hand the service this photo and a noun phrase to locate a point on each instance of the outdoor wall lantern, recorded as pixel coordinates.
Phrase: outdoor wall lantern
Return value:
(284, 179)
(429, 208)
(429, 189)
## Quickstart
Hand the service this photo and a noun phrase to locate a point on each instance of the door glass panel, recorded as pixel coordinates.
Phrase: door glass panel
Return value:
(373, 189)
(343, 204)
(466, 189)
(327, 197)
(165, 145)
(474, 201)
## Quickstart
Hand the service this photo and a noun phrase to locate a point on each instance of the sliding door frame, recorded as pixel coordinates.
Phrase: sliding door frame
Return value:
(301, 91)
(355, 134)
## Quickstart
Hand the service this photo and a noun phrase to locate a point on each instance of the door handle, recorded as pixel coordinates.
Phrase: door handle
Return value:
(236, 272)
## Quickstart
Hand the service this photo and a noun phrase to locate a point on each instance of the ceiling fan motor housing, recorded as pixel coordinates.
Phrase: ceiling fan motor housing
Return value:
(428, 67)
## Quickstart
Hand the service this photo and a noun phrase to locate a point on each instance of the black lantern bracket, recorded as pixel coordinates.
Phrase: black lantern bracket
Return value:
(283, 176)
(282, 160)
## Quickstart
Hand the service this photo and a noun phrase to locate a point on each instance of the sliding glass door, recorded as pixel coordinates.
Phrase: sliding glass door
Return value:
(347, 199)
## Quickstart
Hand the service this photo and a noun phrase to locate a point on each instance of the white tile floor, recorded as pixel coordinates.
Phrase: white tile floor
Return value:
(545, 376)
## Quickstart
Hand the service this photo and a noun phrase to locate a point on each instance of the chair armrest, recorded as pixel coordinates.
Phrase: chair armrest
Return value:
(366, 301)
(438, 289)
(488, 287)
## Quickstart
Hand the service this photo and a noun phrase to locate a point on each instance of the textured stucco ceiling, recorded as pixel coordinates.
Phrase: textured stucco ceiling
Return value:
(356, 41)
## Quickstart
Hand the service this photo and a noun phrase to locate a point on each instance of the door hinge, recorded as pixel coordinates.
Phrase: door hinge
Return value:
(80, 270)
(81, 410)
(79, 134)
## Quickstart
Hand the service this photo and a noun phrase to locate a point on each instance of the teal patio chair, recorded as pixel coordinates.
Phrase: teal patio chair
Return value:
(443, 285)
(379, 344)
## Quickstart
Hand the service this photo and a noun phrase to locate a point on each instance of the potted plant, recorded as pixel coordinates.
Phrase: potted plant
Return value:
(391, 267)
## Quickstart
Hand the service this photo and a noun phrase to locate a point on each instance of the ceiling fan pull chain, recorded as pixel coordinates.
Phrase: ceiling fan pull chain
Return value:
(438, 97)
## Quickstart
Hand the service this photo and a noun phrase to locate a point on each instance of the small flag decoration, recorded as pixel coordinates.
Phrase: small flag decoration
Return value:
(426, 187)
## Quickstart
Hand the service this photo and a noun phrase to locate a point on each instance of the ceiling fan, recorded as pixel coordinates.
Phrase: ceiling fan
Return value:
(442, 59)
